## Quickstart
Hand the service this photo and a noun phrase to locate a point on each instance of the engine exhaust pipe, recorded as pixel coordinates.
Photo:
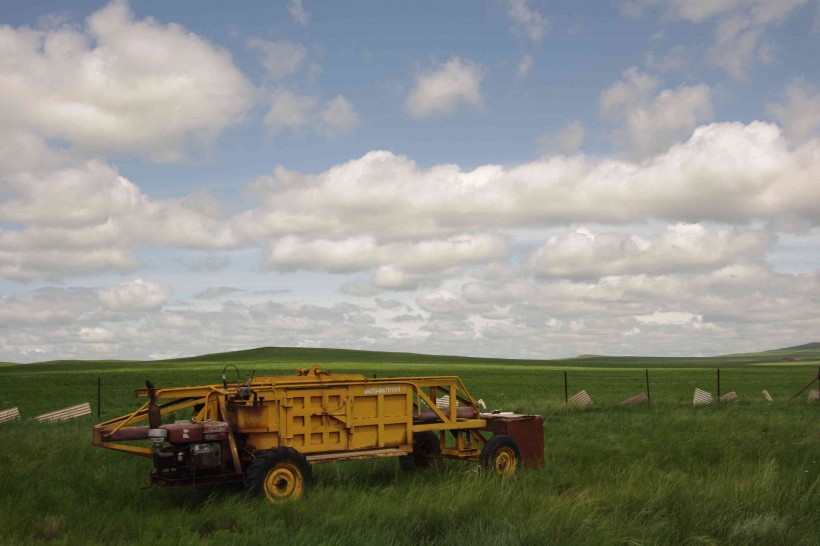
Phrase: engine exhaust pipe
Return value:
(154, 418)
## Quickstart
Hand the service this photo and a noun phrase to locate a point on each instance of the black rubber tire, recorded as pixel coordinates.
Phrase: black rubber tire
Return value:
(281, 473)
(501, 456)
(426, 452)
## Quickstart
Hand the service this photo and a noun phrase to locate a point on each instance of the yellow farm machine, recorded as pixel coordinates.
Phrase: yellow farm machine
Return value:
(266, 432)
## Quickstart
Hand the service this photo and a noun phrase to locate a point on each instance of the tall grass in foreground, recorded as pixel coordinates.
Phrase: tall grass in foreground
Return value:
(663, 475)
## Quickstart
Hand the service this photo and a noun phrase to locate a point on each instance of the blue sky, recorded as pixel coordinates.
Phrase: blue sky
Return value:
(505, 178)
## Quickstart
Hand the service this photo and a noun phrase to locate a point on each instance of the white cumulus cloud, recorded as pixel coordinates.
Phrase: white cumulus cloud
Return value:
(339, 256)
(280, 58)
(680, 248)
(441, 90)
(740, 27)
(95, 335)
(75, 196)
(566, 140)
(297, 10)
(390, 197)
(652, 122)
(136, 295)
(366, 251)
(525, 64)
(673, 317)
(290, 111)
(800, 113)
(339, 116)
(526, 20)
(86, 218)
(118, 84)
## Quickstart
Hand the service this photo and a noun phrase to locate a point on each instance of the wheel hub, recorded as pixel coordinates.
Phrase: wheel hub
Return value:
(505, 461)
(284, 481)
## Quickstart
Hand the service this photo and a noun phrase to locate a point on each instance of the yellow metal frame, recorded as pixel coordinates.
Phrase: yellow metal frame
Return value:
(218, 402)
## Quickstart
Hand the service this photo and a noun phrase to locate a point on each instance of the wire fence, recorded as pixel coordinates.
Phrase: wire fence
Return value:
(112, 395)
(653, 386)
(698, 387)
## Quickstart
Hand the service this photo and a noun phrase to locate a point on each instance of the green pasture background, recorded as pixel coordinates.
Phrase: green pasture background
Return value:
(739, 473)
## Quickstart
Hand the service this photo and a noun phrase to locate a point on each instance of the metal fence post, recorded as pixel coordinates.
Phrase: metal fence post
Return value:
(566, 391)
(648, 400)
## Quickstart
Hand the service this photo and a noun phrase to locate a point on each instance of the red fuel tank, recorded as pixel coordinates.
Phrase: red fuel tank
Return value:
(526, 430)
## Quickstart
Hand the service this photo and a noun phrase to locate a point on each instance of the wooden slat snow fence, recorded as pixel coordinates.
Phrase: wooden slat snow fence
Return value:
(11, 414)
(581, 399)
(66, 413)
(728, 397)
(702, 398)
(636, 400)
(444, 402)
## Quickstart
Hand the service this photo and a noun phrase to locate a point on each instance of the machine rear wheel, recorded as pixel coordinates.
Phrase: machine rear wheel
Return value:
(281, 473)
(426, 452)
(500, 455)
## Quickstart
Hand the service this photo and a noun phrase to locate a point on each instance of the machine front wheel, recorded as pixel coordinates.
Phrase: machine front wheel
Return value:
(500, 455)
(281, 473)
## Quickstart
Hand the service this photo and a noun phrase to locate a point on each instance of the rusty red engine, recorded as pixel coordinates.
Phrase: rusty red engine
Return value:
(183, 449)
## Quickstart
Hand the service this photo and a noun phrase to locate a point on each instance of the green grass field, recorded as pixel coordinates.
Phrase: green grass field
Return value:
(741, 473)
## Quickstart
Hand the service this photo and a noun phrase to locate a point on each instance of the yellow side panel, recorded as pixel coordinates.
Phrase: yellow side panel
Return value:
(395, 405)
(395, 434)
(264, 440)
(381, 416)
(365, 407)
(254, 419)
(317, 420)
(364, 437)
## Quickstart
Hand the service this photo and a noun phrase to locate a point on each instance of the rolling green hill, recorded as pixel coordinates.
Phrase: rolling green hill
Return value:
(808, 353)
(806, 349)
